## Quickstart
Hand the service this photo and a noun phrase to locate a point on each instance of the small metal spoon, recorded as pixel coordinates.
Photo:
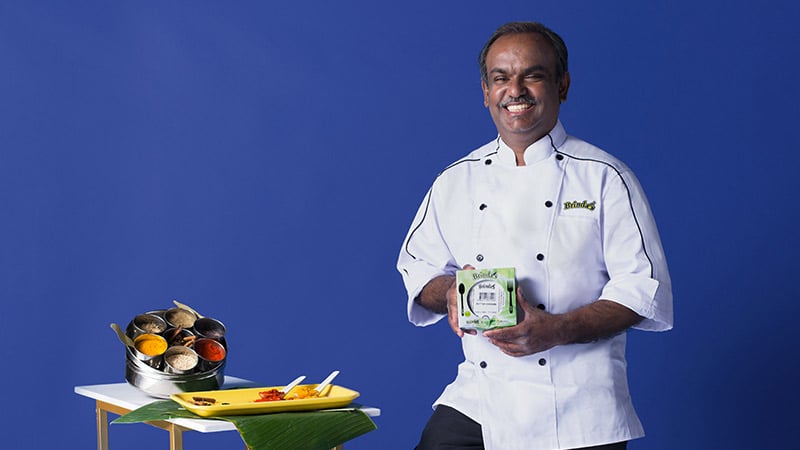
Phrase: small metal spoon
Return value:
(326, 382)
(122, 336)
(188, 308)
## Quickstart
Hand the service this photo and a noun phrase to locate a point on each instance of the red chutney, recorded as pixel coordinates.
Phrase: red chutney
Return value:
(209, 349)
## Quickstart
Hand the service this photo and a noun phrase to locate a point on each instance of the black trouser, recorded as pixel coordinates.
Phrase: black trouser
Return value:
(448, 429)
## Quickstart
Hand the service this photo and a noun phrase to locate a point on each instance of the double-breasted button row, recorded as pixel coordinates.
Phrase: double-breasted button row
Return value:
(483, 206)
(542, 362)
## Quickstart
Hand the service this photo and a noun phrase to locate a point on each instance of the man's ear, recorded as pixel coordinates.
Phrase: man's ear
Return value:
(485, 90)
(563, 88)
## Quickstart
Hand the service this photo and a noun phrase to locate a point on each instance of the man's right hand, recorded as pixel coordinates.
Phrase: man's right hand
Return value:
(440, 295)
(452, 307)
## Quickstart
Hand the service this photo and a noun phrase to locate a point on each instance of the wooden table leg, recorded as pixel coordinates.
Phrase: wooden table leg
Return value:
(103, 408)
(175, 433)
(102, 427)
(175, 437)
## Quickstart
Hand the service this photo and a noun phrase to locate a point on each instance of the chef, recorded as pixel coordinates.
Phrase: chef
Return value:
(574, 223)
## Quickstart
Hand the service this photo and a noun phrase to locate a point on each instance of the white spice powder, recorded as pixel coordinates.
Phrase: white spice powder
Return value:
(182, 361)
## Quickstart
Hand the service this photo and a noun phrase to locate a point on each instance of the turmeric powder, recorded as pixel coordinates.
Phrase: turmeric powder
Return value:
(151, 344)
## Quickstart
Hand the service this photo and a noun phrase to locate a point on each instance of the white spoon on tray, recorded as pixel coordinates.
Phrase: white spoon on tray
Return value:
(292, 385)
(320, 387)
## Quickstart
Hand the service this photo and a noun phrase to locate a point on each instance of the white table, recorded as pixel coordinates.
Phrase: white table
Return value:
(122, 398)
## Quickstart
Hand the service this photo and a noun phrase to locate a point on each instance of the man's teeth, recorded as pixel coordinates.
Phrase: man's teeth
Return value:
(517, 107)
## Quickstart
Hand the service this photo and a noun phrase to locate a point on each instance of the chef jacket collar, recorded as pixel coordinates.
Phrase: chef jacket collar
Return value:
(538, 151)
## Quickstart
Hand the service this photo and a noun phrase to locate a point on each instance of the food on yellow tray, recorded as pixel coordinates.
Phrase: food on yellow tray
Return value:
(241, 401)
(299, 392)
(203, 401)
(269, 396)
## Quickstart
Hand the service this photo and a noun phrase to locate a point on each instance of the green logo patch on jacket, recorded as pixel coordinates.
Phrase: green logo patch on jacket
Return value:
(584, 204)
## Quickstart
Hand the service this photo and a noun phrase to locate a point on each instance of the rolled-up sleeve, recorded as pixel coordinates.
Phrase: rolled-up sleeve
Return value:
(635, 260)
(424, 256)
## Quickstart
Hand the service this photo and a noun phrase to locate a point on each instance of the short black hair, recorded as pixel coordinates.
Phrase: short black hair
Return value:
(524, 28)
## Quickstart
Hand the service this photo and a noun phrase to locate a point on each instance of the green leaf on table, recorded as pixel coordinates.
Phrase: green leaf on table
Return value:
(157, 410)
(302, 430)
(309, 430)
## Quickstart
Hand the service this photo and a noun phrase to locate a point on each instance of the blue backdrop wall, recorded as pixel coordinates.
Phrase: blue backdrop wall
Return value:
(261, 161)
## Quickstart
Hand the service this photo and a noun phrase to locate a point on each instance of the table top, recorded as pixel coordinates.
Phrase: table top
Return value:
(129, 397)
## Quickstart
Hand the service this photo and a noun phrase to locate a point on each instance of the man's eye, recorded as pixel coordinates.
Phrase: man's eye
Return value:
(500, 79)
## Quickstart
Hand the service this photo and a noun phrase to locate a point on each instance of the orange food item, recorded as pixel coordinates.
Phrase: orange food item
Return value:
(301, 392)
(270, 396)
(297, 393)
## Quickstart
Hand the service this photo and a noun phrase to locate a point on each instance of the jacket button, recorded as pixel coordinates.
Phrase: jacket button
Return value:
(488, 162)
(540, 306)
(559, 157)
(482, 207)
(483, 364)
(540, 257)
(479, 257)
(542, 361)
(548, 203)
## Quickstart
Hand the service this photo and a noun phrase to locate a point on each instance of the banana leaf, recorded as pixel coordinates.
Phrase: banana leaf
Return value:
(307, 430)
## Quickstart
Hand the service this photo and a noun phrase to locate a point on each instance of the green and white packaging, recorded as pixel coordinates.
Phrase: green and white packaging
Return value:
(487, 298)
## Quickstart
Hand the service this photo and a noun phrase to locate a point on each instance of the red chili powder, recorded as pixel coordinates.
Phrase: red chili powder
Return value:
(210, 349)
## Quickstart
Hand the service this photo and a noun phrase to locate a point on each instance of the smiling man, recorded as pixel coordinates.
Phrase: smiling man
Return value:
(574, 223)
(524, 83)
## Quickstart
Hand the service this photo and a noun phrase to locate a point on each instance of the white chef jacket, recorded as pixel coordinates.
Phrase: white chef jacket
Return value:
(575, 224)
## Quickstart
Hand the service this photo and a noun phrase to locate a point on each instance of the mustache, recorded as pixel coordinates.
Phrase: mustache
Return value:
(521, 99)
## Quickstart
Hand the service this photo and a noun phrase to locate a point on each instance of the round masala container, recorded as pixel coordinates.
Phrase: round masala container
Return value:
(149, 371)
(149, 323)
(210, 328)
(179, 317)
(180, 359)
(179, 336)
(149, 348)
(211, 352)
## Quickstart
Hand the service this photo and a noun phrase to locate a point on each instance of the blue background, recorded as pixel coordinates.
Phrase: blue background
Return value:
(262, 161)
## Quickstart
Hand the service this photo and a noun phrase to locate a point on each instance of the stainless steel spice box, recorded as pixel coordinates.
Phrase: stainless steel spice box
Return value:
(156, 382)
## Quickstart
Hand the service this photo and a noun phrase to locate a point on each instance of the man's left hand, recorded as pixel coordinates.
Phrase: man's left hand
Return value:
(537, 331)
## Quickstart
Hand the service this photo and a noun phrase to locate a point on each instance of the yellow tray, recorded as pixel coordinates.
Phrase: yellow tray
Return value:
(242, 401)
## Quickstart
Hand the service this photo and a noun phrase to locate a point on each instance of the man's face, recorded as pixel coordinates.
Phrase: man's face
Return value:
(522, 91)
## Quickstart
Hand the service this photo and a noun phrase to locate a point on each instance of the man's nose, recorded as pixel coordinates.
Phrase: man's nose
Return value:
(518, 88)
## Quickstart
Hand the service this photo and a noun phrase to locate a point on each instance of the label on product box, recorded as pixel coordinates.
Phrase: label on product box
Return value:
(487, 298)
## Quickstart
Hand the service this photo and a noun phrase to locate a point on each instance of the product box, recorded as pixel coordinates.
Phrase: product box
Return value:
(487, 298)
